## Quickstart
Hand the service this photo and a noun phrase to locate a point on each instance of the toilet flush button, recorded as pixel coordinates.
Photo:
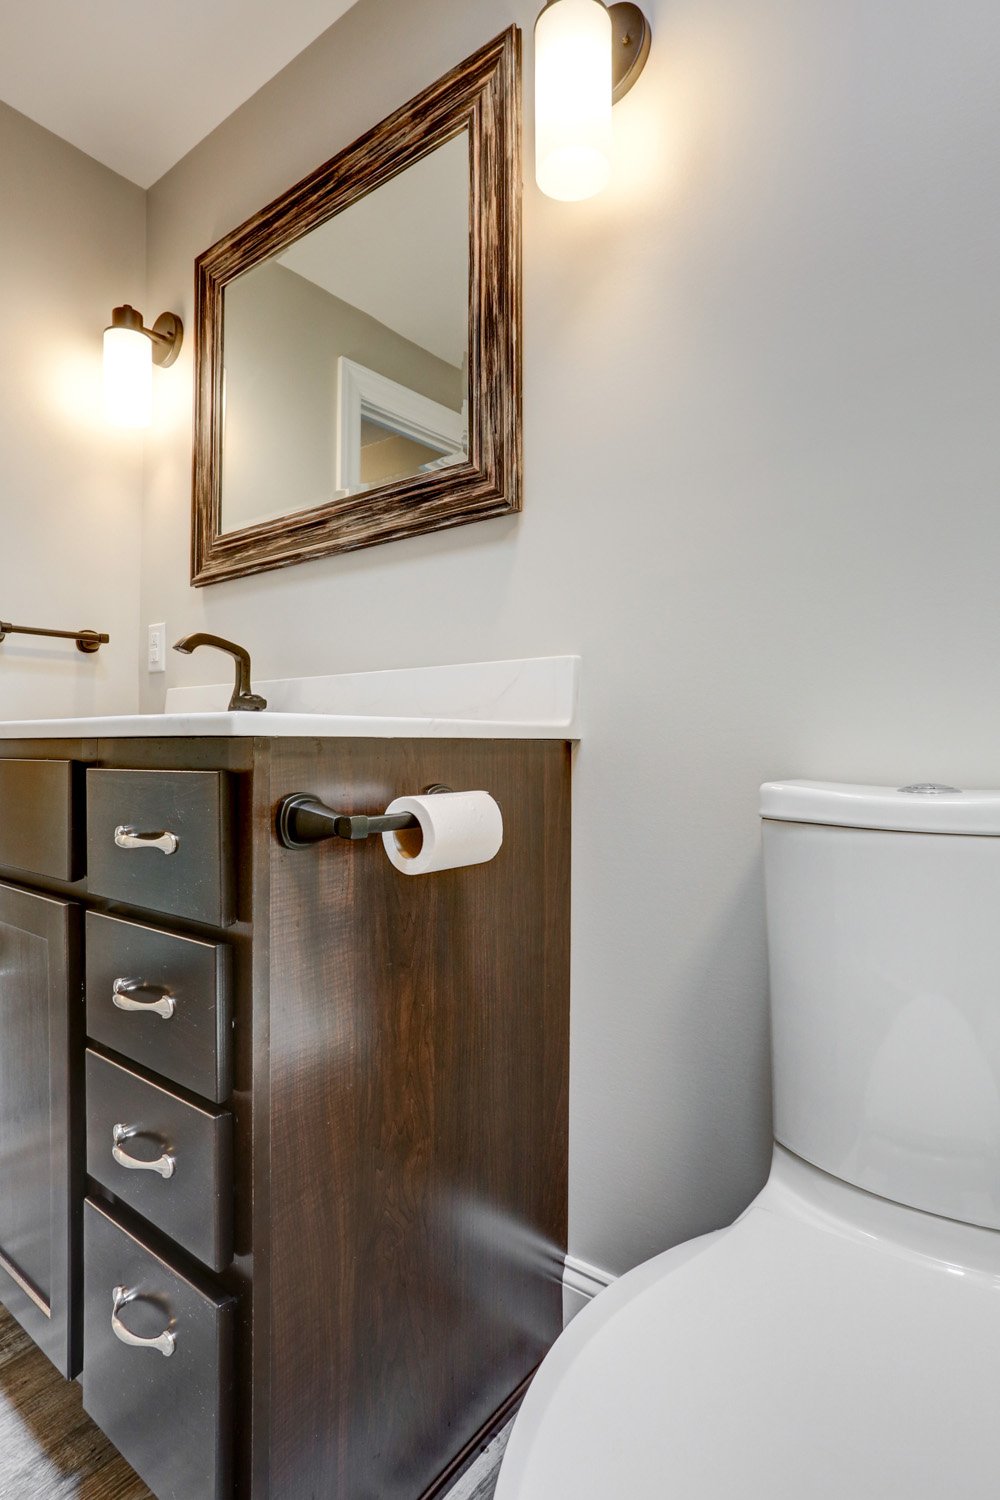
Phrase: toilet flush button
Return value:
(929, 788)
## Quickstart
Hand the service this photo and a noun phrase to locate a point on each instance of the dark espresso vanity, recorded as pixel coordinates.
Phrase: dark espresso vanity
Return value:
(282, 1132)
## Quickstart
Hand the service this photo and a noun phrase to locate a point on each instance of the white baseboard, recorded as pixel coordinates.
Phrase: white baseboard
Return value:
(581, 1283)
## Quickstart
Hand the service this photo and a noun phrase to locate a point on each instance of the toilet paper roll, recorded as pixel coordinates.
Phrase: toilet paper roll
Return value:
(456, 828)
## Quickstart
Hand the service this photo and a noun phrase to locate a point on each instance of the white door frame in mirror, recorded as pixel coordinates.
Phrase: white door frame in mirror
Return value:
(364, 393)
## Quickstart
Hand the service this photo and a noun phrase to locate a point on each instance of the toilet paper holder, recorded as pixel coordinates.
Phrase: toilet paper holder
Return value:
(304, 820)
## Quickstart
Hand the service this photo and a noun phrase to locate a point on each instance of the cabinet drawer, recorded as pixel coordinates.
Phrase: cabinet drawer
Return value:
(166, 1406)
(37, 800)
(132, 968)
(170, 1161)
(161, 839)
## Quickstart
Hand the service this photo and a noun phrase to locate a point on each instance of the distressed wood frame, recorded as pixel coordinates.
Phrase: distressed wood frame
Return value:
(483, 95)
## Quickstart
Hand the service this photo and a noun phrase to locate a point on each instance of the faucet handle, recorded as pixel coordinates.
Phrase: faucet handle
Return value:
(244, 699)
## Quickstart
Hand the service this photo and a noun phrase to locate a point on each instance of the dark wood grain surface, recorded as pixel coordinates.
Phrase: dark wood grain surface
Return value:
(193, 882)
(399, 1096)
(245, 760)
(51, 1450)
(418, 1120)
(194, 1046)
(173, 1418)
(42, 803)
(49, 1447)
(194, 1205)
(40, 1111)
(482, 96)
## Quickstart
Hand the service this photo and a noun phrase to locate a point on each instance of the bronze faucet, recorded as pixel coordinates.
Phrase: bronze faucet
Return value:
(244, 699)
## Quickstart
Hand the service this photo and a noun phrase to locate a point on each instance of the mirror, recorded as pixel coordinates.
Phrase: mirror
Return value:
(364, 323)
(358, 341)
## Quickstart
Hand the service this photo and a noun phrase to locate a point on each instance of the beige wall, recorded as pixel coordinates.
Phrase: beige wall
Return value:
(761, 501)
(284, 335)
(72, 245)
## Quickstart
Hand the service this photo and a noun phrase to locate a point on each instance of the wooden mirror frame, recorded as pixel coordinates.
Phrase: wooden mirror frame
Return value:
(482, 95)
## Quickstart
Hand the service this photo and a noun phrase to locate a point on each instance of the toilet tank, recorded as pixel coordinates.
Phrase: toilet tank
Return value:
(883, 922)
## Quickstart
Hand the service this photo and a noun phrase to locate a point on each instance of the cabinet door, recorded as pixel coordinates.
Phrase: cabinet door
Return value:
(40, 1148)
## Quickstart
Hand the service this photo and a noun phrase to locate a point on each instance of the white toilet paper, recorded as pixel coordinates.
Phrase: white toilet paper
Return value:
(456, 828)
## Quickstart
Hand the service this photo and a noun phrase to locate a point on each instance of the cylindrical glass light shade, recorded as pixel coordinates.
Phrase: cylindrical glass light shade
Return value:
(128, 377)
(573, 99)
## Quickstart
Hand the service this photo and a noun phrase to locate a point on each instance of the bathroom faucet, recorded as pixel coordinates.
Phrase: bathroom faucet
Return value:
(244, 698)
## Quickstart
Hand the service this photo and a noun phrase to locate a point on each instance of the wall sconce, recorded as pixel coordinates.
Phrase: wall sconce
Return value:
(130, 352)
(587, 57)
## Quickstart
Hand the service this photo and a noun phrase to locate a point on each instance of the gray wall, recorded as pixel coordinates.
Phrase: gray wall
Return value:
(762, 386)
(72, 245)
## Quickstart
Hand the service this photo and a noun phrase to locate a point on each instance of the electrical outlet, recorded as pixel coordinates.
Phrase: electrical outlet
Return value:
(156, 657)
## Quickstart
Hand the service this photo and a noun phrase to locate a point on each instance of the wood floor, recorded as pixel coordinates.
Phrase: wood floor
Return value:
(480, 1479)
(50, 1449)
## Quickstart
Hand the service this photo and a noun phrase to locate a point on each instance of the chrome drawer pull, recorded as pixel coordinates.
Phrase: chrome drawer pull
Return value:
(121, 997)
(165, 1165)
(165, 1343)
(128, 838)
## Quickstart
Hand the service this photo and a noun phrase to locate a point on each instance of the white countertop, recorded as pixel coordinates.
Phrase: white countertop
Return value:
(534, 698)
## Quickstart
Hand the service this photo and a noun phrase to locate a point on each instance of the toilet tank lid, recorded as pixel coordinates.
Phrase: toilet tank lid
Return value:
(924, 809)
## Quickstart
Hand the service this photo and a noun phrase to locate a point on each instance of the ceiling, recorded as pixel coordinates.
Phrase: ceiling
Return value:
(138, 83)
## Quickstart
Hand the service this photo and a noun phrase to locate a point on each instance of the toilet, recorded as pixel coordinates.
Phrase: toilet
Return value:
(840, 1340)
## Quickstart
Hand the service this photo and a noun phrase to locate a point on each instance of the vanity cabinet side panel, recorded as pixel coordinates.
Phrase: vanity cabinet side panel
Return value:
(418, 1120)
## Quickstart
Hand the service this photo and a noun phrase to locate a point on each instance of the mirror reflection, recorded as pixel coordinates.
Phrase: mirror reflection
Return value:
(346, 354)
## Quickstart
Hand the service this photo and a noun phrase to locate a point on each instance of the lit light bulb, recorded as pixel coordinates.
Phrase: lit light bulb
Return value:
(128, 377)
(573, 99)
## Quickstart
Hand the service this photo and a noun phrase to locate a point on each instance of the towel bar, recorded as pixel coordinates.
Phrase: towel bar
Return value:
(87, 641)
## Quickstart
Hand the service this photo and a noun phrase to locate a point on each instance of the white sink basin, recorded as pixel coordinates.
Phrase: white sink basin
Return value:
(535, 698)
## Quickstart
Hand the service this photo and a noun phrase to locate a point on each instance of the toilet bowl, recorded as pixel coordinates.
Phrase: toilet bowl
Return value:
(841, 1340)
